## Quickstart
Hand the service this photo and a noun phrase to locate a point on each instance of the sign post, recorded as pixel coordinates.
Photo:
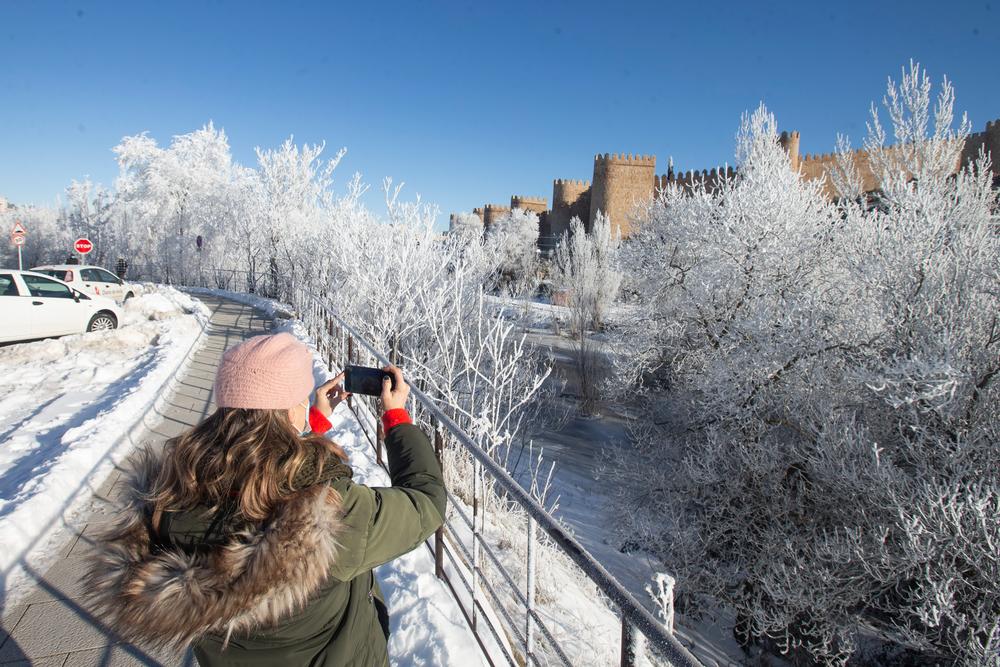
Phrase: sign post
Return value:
(83, 246)
(17, 237)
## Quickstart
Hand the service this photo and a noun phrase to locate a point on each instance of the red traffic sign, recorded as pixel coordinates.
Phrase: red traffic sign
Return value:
(19, 229)
(17, 239)
(83, 246)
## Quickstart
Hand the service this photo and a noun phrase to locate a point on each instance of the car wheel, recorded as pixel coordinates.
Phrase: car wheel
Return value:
(127, 297)
(102, 322)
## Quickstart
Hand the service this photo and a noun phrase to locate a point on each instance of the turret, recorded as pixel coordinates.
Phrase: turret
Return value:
(621, 182)
(491, 212)
(569, 199)
(790, 142)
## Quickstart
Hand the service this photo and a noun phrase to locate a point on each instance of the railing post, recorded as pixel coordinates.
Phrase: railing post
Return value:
(439, 533)
(628, 644)
(347, 362)
(379, 438)
(529, 621)
(476, 483)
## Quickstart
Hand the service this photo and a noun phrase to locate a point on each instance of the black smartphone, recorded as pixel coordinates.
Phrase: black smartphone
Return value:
(365, 380)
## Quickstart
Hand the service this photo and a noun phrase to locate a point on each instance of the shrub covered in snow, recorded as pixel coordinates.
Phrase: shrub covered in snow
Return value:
(514, 238)
(466, 225)
(823, 380)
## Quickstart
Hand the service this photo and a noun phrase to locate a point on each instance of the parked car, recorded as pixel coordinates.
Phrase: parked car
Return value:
(90, 280)
(34, 305)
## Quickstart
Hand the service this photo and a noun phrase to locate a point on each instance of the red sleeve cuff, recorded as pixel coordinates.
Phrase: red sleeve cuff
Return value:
(395, 417)
(317, 422)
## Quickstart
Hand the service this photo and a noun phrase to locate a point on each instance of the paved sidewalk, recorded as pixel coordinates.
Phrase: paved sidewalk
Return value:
(49, 628)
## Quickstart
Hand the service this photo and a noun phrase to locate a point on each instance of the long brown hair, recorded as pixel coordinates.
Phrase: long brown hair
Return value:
(242, 455)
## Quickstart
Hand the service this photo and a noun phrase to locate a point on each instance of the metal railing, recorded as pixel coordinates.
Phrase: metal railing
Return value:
(489, 612)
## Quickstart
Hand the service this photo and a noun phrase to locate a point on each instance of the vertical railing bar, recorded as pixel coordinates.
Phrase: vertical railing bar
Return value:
(379, 439)
(475, 540)
(628, 644)
(439, 533)
(529, 630)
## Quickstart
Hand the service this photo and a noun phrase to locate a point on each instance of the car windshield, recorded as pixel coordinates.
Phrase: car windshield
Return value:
(43, 287)
(61, 274)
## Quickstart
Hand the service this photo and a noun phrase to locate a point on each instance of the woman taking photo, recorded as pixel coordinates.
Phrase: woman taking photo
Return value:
(246, 537)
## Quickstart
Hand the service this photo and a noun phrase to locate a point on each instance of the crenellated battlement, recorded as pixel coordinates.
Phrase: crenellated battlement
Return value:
(822, 157)
(623, 181)
(625, 159)
(534, 204)
(711, 178)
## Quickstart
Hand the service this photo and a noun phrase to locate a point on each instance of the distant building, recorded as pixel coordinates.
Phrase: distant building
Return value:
(622, 181)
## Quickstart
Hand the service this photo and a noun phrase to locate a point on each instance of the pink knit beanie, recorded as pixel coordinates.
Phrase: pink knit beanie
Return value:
(266, 373)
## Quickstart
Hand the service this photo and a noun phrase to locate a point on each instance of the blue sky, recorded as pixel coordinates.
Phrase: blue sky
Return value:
(465, 102)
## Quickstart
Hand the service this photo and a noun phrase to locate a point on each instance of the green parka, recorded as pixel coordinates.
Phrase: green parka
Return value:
(297, 590)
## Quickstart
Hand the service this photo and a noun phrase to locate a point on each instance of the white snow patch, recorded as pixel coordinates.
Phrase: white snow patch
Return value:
(64, 405)
(275, 309)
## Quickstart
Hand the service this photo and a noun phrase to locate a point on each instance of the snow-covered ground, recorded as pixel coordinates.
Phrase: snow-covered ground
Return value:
(64, 406)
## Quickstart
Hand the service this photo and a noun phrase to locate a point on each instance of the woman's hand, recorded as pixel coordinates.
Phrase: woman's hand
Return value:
(394, 398)
(330, 394)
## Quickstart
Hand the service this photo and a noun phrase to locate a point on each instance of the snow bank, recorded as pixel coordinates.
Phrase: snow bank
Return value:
(64, 406)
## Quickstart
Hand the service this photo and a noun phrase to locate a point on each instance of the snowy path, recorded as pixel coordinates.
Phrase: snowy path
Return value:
(64, 407)
(49, 627)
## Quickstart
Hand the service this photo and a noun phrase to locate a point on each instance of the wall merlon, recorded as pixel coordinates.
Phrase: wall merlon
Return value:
(625, 159)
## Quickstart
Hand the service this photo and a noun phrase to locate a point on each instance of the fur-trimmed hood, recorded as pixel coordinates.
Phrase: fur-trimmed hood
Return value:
(259, 575)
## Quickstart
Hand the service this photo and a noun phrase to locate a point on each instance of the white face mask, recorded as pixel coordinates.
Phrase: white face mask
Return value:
(305, 426)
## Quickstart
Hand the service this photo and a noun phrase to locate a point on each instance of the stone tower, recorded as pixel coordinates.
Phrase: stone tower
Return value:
(620, 183)
(989, 140)
(569, 199)
(491, 212)
(790, 142)
(993, 145)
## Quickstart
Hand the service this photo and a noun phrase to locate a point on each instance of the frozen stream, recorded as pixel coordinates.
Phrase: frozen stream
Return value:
(585, 502)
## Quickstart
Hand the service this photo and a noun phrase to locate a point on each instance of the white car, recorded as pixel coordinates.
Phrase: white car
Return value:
(33, 305)
(90, 280)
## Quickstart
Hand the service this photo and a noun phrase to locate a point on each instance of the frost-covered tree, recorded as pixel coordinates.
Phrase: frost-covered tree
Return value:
(585, 270)
(171, 196)
(514, 237)
(466, 225)
(822, 380)
(585, 267)
(49, 239)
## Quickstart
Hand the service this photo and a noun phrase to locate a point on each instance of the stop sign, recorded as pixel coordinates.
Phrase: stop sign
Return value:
(83, 246)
